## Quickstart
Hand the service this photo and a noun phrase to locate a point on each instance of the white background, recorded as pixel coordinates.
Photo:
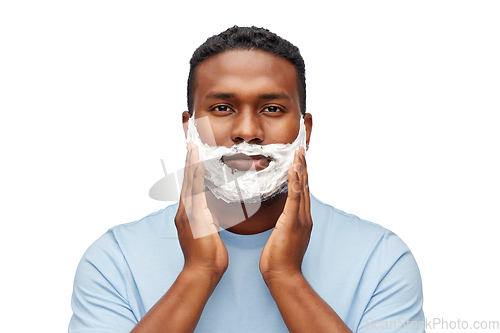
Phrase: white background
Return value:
(405, 103)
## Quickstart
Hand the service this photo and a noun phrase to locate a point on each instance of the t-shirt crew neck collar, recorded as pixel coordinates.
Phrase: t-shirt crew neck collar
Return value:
(254, 240)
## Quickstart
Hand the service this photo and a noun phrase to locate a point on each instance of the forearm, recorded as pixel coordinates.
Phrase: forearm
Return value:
(179, 310)
(301, 308)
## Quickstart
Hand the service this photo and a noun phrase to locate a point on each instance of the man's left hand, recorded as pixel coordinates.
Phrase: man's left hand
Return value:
(282, 256)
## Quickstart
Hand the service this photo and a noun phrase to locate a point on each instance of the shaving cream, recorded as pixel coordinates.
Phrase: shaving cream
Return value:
(250, 186)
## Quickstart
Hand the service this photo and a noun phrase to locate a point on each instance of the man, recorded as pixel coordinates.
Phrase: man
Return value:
(199, 266)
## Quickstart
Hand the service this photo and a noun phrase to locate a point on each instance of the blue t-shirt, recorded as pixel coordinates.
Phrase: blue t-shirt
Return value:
(362, 270)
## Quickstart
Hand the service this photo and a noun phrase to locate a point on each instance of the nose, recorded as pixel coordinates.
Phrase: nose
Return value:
(247, 127)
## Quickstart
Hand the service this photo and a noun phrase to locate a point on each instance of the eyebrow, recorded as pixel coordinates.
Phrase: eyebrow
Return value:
(263, 96)
(275, 96)
(220, 95)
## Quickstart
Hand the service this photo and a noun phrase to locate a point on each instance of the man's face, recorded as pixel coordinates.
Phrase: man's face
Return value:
(248, 96)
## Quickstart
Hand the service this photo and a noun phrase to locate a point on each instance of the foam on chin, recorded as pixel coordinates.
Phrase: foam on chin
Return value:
(246, 186)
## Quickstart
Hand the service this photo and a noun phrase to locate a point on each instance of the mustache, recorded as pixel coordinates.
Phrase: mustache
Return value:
(251, 151)
(240, 156)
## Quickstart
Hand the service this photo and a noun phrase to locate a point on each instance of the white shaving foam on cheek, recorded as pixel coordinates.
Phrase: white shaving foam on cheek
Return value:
(246, 186)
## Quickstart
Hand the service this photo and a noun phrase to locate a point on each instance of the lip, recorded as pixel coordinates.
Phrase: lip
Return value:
(243, 162)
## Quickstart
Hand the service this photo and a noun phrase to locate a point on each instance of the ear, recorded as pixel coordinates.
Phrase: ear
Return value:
(308, 122)
(185, 119)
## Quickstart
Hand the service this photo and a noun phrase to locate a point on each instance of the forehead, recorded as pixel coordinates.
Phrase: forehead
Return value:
(246, 70)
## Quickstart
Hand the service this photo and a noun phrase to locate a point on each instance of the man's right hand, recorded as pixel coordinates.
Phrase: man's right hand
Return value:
(197, 228)
(205, 258)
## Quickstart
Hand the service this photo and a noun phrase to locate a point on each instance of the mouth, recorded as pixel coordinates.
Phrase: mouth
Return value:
(243, 162)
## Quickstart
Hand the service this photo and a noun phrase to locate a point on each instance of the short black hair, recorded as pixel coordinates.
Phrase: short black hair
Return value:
(248, 38)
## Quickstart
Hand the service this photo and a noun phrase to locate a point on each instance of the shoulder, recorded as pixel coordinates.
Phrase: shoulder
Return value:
(109, 252)
(160, 222)
(347, 229)
(369, 265)
(345, 235)
(116, 265)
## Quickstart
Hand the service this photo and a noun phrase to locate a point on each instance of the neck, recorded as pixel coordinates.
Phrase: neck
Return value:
(247, 219)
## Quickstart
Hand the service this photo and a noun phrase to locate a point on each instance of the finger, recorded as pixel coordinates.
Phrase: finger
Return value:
(303, 150)
(193, 161)
(202, 224)
(186, 183)
(186, 163)
(304, 170)
(199, 199)
(182, 213)
(294, 188)
(297, 166)
(306, 199)
(302, 188)
(306, 187)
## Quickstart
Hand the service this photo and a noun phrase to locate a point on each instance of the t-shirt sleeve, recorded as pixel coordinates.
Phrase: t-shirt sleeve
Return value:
(396, 304)
(99, 299)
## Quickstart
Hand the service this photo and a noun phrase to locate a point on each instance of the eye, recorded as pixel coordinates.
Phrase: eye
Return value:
(221, 108)
(273, 109)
